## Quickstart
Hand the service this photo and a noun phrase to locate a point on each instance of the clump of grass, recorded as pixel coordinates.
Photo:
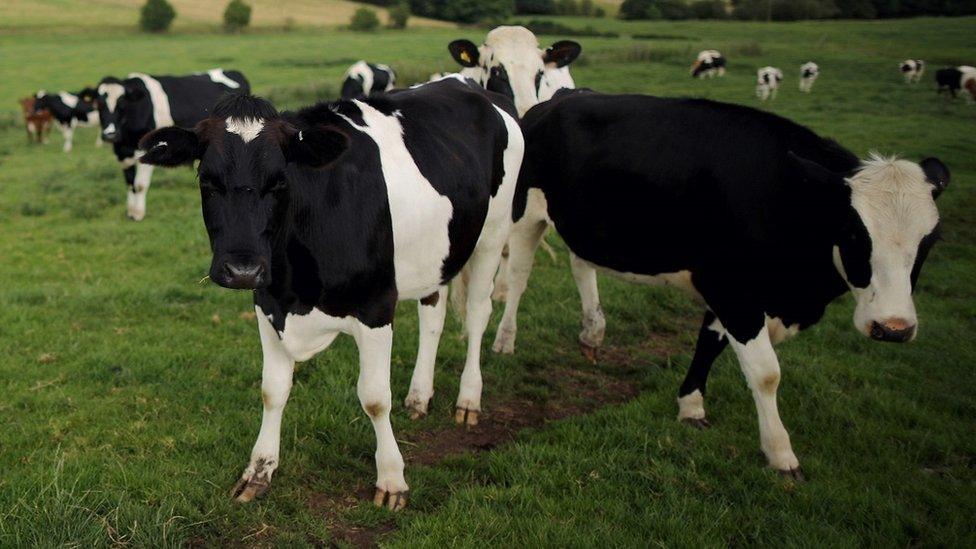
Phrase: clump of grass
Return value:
(746, 49)
(30, 209)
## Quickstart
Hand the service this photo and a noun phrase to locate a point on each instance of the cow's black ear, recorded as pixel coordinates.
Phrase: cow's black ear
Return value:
(936, 173)
(315, 147)
(464, 52)
(134, 93)
(812, 171)
(170, 147)
(562, 53)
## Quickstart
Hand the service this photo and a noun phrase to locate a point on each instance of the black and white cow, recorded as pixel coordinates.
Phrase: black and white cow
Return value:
(709, 63)
(71, 110)
(767, 82)
(949, 80)
(334, 214)
(129, 109)
(364, 78)
(912, 69)
(511, 62)
(764, 221)
(809, 72)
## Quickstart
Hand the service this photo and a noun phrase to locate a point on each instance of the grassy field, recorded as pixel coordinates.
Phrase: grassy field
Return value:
(131, 389)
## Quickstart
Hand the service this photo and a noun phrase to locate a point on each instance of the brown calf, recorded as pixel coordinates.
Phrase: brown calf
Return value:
(38, 123)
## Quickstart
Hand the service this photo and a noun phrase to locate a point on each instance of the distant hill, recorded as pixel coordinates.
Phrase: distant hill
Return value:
(22, 14)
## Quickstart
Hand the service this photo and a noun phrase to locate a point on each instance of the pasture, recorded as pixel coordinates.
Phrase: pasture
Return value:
(131, 388)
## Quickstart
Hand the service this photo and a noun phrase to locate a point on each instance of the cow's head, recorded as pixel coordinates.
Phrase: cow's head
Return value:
(122, 103)
(511, 63)
(884, 237)
(244, 150)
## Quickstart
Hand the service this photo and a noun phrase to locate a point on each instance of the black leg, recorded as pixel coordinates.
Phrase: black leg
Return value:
(691, 395)
(130, 176)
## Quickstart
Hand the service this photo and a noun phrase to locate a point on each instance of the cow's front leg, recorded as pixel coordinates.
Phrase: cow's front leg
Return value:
(136, 202)
(761, 368)
(432, 310)
(522, 244)
(691, 395)
(276, 379)
(68, 133)
(594, 323)
(375, 346)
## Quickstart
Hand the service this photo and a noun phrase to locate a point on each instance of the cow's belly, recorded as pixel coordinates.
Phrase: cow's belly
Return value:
(678, 279)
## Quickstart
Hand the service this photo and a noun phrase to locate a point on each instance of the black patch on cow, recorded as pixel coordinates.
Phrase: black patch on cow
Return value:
(924, 247)
(431, 300)
(498, 82)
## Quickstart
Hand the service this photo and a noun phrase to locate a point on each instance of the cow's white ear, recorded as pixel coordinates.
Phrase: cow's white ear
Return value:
(562, 53)
(464, 52)
(315, 147)
(170, 147)
(936, 173)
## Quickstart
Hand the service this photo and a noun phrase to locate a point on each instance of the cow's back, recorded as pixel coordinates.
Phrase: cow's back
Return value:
(191, 98)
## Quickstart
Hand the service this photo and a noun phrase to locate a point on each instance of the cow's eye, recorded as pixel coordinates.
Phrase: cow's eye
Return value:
(209, 185)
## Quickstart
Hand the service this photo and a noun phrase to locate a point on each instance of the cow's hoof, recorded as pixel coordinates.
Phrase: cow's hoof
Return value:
(394, 501)
(796, 474)
(417, 406)
(248, 489)
(698, 423)
(504, 342)
(464, 416)
(589, 352)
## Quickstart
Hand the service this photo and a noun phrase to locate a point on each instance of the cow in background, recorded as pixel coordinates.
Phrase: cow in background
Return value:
(912, 70)
(808, 75)
(71, 110)
(709, 63)
(363, 79)
(767, 82)
(37, 122)
(129, 109)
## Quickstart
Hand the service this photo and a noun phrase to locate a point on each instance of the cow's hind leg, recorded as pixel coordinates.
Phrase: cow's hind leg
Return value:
(276, 378)
(375, 346)
(594, 323)
(481, 269)
(761, 368)
(691, 395)
(432, 310)
(522, 244)
(136, 203)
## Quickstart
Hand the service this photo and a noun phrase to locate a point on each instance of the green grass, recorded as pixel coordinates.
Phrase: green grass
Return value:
(131, 389)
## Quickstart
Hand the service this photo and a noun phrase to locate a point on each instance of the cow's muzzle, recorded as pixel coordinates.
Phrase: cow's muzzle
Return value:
(241, 275)
(895, 330)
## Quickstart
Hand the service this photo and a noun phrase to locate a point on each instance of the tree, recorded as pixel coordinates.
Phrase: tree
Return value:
(399, 14)
(156, 16)
(709, 9)
(237, 16)
(639, 9)
(535, 7)
(364, 20)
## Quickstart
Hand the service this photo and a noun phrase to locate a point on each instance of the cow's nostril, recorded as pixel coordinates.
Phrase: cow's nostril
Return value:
(244, 275)
(877, 331)
(894, 330)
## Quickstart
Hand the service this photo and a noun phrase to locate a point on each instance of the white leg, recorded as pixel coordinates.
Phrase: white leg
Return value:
(522, 244)
(761, 368)
(375, 346)
(431, 326)
(136, 203)
(68, 133)
(276, 379)
(594, 323)
(482, 267)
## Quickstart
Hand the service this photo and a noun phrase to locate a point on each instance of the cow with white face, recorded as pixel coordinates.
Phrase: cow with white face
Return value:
(912, 70)
(808, 75)
(129, 109)
(767, 82)
(710, 63)
(511, 62)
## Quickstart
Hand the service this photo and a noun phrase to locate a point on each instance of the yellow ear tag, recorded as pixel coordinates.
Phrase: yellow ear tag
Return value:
(465, 57)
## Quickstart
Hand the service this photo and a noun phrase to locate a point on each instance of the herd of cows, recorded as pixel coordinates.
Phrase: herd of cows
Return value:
(334, 213)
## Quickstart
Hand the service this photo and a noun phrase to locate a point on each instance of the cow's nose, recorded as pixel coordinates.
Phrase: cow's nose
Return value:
(896, 330)
(243, 276)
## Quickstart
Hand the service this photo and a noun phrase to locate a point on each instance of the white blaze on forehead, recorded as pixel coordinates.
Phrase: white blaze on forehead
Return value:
(247, 128)
(516, 49)
(112, 93)
(218, 76)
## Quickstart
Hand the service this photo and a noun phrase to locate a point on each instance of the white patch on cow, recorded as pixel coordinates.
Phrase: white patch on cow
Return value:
(41, 93)
(127, 162)
(218, 76)
(691, 406)
(553, 80)
(68, 133)
(360, 71)
(894, 201)
(420, 215)
(808, 74)
(110, 129)
(160, 101)
(779, 331)
(516, 49)
(307, 335)
(68, 99)
(247, 128)
(112, 93)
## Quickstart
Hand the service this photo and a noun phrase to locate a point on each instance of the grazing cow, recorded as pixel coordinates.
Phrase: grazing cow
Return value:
(333, 214)
(129, 109)
(949, 80)
(767, 82)
(511, 62)
(912, 69)
(71, 110)
(37, 121)
(709, 63)
(765, 222)
(808, 74)
(364, 78)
